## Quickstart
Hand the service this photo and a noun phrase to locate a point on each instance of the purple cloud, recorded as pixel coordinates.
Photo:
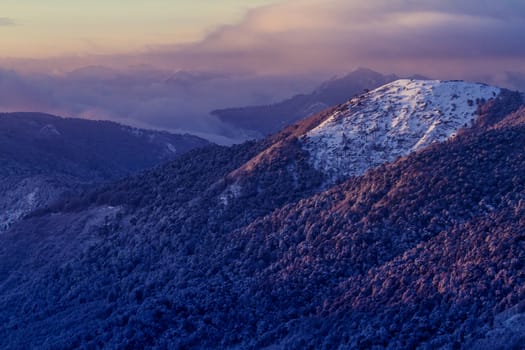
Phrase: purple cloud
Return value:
(443, 38)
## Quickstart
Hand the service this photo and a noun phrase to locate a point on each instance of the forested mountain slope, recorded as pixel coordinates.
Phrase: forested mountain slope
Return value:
(423, 252)
(44, 156)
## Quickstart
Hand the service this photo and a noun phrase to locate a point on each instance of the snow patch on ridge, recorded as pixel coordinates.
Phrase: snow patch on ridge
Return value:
(232, 192)
(19, 208)
(391, 121)
(171, 148)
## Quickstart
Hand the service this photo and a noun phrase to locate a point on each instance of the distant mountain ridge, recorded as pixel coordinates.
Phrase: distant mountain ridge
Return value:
(43, 155)
(269, 119)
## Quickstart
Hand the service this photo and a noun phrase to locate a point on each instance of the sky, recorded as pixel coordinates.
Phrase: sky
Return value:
(167, 63)
(434, 37)
(40, 29)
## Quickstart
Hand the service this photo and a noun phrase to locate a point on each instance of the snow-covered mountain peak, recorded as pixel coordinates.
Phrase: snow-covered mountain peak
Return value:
(391, 121)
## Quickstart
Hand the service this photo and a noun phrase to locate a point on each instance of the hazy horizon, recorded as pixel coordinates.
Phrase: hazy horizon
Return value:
(112, 59)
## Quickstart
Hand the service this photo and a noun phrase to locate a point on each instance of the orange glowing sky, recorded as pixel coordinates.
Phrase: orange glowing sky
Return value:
(38, 29)
(440, 38)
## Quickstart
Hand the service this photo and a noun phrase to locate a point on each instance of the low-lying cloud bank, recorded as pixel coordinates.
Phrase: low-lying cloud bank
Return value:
(150, 98)
(295, 42)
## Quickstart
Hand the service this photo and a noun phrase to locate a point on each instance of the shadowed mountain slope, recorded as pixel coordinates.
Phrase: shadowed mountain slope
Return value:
(44, 156)
(422, 252)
